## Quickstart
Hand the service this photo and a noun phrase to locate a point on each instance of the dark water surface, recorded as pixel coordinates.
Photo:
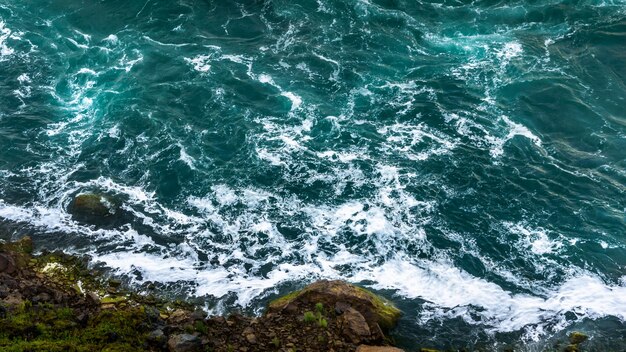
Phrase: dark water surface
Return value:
(467, 159)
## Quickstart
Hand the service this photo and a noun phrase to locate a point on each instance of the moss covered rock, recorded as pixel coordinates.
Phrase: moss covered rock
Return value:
(342, 296)
(22, 246)
(93, 204)
(577, 337)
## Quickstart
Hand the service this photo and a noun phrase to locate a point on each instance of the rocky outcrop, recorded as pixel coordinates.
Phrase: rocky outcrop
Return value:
(361, 315)
(90, 206)
(575, 339)
(54, 302)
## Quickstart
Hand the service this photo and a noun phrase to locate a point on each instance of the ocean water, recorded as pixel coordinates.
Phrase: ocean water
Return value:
(465, 159)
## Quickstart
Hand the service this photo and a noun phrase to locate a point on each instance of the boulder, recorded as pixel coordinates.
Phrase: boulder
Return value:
(577, 337)
(157, 336)
(184, 343)
(24, 246)
(354, 327)
(93, 205)
(7, 264)
(365, 348)
(342, 296)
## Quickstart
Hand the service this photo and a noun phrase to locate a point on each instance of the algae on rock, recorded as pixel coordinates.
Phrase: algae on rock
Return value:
(373, 308)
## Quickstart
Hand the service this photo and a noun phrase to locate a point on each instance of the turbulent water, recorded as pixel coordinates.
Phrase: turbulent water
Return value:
(466, 159)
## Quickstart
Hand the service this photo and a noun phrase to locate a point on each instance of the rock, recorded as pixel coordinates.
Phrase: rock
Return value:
(354, 326)
(374, 309)
(365, 348)
(198, 314)
(248, 333)
(13, 300)
(90, 206)
(184, 343)
(251, 338)
(25, 245)
(7, 264)
(42, 297)
(157, 336)
(178, 317)
(115, 283)
(577, 337)
(83, 318)
(93, 298)
(4, 291)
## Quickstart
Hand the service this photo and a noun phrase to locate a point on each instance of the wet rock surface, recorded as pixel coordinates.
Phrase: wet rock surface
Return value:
(54, 302)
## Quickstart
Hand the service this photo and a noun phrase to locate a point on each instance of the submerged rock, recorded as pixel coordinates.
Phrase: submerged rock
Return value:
(376, 310)
(92, 204)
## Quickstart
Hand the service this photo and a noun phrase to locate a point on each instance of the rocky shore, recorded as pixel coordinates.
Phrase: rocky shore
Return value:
(54, 302)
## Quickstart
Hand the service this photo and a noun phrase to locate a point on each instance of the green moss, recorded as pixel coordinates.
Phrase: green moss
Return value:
(200, 327)
(48, 328)
(388, 313)
(276, 342)
(577, 337)
(113, 299)
(22, 246)
(309, 317)
(284, 299)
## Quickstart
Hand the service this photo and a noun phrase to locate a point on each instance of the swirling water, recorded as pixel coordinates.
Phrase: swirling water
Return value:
(464, 158)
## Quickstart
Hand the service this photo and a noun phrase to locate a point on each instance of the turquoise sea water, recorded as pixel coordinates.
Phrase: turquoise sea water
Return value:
(466, 159)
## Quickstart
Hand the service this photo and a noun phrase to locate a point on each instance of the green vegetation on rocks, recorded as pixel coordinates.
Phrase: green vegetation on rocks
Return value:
(329, 293)
(55, 302)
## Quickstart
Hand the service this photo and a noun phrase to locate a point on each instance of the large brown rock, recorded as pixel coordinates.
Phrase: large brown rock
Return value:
(365, 348)
(184, 343)
(7, 264)
(93, 205)
(341, 295)
(354, 326)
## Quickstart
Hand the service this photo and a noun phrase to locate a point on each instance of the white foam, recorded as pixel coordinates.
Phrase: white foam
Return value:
(509, 51)
(5, 50)
(111, 39)
(114, 132)
(536, 239)
(453, 293)
(186, 158)
(201, 63)
(127, 63)
(25, 89)
(514, 129)
(240, 59)
(296, 101)
(24, 78)
(224, 194)
(88, 71)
